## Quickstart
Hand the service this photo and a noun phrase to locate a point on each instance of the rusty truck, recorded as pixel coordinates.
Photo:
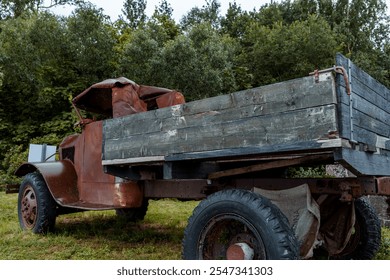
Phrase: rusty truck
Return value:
(232, 152)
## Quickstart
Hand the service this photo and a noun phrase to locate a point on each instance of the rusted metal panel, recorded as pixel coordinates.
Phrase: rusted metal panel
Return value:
(121, 96)
(109, 195)
(60, 177)
(181, 189)
(170, 99)
(78, 179)
(95, 186)
(11, 188)
(91, 169)
(125, 101)
(346, 188)
(383, 186)
(97, 98)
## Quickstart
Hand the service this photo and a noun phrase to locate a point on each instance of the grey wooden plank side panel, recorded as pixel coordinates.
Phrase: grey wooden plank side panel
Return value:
(362, 163)
(362, 90)
(285, 127)
(370, 107)
(370, 84)
(366, 86)
(371, 110)
(344, 121)
(296, 146)
(366, 122)
(281, 97)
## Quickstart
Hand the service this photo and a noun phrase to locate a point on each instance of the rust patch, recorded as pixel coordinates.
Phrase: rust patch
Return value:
(383, 185)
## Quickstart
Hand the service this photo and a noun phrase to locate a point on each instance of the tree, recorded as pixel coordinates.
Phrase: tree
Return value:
(141, 48)
(208, 13)
(15, 8)
(34, 84)
(271, 13)
(283, 52)
(90, 35)
(47, 60)
(163, 10)
(235, 22)
(134, 12)
(360, 28)
(163, 22)
(200, 63)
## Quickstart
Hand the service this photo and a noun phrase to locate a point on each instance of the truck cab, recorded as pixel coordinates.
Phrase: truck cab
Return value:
(78, 181)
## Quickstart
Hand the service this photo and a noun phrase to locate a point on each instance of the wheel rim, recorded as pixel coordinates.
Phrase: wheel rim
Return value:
(230, 236)
(29, 207)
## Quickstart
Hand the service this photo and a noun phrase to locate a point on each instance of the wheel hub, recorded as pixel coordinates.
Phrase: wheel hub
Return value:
(240, 251)
(230, 236)
(29, 207)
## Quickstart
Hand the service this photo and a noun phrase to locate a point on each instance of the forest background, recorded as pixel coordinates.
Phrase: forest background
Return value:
(47, 59)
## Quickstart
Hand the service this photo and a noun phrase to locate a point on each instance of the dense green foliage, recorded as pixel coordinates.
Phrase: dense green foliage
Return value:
(46, 60)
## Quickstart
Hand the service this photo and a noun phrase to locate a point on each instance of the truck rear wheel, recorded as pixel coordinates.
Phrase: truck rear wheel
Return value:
(238, 224)
(36, 206)
(366, 239)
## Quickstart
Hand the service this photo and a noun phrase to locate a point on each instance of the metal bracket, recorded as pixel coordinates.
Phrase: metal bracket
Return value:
(337, 69)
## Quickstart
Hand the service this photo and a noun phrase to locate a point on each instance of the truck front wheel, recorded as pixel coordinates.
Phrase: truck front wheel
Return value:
(238, 224)
(36, 206)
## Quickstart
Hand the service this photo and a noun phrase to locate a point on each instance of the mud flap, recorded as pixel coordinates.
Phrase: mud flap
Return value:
(337, 224)
(303, 213)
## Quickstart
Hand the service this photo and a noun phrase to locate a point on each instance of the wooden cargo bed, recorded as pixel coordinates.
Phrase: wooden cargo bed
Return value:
(306, 116)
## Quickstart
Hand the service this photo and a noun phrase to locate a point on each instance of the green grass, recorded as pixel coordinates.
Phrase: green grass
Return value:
(100, 235)
(384, 251)
(96, 235)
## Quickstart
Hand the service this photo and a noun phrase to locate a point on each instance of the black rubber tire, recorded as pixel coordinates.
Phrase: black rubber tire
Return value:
(36, 206)
(229, 213)
(366, 239)
(133, 214)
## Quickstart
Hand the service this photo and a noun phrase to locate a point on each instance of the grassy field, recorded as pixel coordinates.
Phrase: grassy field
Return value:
(101, 235)
(97, 235)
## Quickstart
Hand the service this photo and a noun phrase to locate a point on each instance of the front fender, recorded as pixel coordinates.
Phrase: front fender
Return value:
(60, 178)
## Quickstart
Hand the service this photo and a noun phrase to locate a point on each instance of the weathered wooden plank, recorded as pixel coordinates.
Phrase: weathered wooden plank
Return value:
(366, 119)
(133, 160)
(371, 110)
(299, 146)
(342, 95)
(242, 130)
(366, 137)
(366, 122)
(268, 165)
(366, 95)
(369, 117)
(282, 97)
(344, 121)
(285, 127)
(371, 87)
(369, 83)
(362, 163)
(364, 101)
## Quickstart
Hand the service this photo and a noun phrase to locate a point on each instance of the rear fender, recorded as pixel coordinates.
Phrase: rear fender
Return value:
(60, 178)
